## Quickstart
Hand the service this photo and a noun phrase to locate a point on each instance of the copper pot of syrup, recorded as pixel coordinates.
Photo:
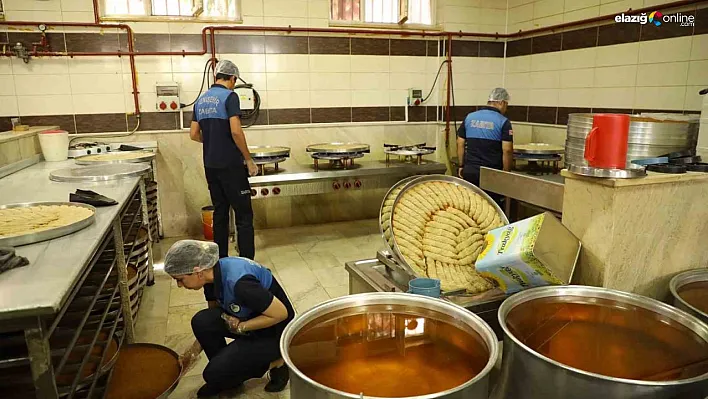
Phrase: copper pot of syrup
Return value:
(588, 343)
(689, 291)
(389, 345)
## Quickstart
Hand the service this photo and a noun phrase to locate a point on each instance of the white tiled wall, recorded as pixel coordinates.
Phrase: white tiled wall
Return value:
(532, 14)
(488, 16)
(657, 74)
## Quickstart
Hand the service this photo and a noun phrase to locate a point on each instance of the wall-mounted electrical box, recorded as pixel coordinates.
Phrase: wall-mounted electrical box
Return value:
(415, 96)
(246, 97)
(167, 96)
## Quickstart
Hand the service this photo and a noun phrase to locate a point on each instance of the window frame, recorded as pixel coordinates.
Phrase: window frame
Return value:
(434, 26)
(148, 17)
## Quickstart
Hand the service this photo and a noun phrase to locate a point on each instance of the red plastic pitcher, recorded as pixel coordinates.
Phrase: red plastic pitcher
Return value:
(606, 145)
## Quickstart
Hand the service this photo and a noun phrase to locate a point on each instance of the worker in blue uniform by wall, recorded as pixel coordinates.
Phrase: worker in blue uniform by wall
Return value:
(486, 139)
(227, 162)
(246, 303)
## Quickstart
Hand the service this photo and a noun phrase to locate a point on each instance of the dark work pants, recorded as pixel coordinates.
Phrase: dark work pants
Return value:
(229, 188)
(471, 174)
(229, 365)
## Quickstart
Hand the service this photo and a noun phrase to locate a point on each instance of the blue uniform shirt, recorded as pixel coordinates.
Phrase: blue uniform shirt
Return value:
(212, 111)
(484, 131)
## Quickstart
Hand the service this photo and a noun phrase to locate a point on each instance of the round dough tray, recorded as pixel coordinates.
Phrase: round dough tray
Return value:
(48, 234)
(98, 173)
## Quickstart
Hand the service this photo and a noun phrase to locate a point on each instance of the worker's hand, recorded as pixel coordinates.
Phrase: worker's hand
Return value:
(252, 167)
(231, 322)
(459, 173)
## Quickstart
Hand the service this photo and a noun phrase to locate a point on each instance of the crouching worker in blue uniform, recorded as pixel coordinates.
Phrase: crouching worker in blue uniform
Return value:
(246, 303)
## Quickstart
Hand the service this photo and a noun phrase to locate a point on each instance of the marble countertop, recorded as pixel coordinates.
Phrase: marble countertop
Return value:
(41, 288)
(650, 178)
(33, 130)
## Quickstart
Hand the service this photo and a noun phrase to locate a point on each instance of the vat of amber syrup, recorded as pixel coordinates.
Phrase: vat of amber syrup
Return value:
(389, 345)
(690, 292)
(595, 343)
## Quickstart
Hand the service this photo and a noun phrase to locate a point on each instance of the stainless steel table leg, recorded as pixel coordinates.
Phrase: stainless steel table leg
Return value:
(41, 361)
(123, 281)
(146, 223)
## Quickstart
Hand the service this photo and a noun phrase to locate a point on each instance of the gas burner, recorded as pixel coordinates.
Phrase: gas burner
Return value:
(339, 155)
(267, 155)
(407, 153)
(540, 158)
(88, 148)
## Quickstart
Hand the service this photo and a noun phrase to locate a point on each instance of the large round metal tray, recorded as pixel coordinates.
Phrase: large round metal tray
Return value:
(685, 278)
(332, 148)
(259, 151)
(445, 179)
(607, 173)
(401, 183)
(409, 152)
(43, 235)
(99, 173)
(172, 387)
(538, 148)
(269, 160)
(115, 157)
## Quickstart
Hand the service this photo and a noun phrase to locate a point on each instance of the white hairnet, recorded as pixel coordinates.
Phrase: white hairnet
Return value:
(227, 68)
(499, 94)
(184, 255)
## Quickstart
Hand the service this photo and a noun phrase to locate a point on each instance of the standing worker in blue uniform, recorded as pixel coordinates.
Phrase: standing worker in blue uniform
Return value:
(486, 139)
(227, 162)
(246, 303)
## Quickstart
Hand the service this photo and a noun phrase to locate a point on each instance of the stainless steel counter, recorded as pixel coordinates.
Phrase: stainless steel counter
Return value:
(291, 172)
(42, 287)
(292, 179)
(543, 191)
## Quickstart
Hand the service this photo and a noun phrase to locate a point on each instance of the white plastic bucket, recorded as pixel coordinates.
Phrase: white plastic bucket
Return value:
(55, 145)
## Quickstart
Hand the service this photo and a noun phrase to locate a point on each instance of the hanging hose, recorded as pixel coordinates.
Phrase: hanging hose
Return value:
(248, 117)
(434, 82)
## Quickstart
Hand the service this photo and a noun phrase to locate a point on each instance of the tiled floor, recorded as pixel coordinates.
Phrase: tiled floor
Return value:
(308, 261)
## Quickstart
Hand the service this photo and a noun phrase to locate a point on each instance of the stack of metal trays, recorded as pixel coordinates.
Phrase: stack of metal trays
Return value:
(151, 191)
(648, 137)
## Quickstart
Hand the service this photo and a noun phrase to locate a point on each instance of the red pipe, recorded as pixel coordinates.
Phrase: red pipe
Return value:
(96, 15)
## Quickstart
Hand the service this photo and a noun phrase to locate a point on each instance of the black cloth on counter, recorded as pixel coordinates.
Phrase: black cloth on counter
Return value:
(9, 260)
(91, 198)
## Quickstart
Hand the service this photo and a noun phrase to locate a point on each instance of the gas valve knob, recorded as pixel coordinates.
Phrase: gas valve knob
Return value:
(347, 185)
(336, 185)
(276, 190)
(254, 192)
(357, 184)
(264, 192)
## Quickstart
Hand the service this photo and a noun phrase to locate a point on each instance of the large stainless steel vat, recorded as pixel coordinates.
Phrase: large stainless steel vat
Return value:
(303, 387)
(647, 138)
(527, 374)
(682, 279)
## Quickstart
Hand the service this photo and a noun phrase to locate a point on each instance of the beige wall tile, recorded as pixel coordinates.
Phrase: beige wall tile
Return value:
(330, 63)
(693, 100)
(43, 66)
(665, 50)
(667, 74)
(616, 7)
(523, 133)
(247, 63)
(618, 76)
(330, 81)
(370, 63)
(404, 81)
(289, 99)
(362, 98)
(518, 80)
(318, 9)
(520, 14)
(189, 64)
(548, 21)
(288, 81)
(151, 64)
(7, 85)
(546, 61)
(99, 103)
(43, 84)
(575, 78)
(520, 96)
(660, 97)
(699, 48)
(287, 63)
(408, 64)
(576, 59)
(544, 97)
(252, 8)
(582, 14)
(99, 83)
(370, 81)
(545, 80)
(581, 97)
(572, 5)
(620, 54)
(330, 98)
(92, 65)
(45, 105)
(8, 106)
(518, 64)
(285, 8)
(76, 5)
(544, 8)
(698, 73)
(617, 97)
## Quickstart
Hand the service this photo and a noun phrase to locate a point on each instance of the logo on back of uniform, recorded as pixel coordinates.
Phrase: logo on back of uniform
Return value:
(235, 308)
(487, 125)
